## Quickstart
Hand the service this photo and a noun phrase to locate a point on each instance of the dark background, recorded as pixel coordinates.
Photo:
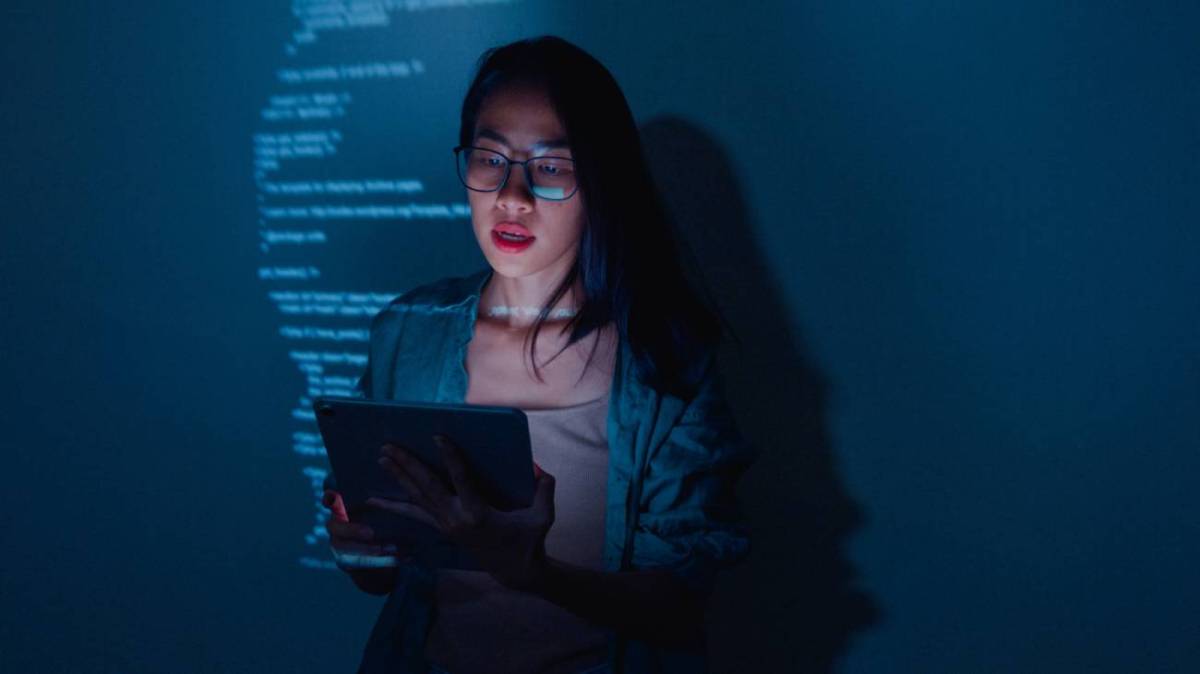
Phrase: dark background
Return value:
(959, 244)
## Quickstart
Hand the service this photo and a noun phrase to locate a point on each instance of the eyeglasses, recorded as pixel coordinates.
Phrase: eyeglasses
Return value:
(550, 178)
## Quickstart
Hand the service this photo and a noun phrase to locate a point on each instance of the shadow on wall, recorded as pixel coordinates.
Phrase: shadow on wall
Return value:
(793, 605)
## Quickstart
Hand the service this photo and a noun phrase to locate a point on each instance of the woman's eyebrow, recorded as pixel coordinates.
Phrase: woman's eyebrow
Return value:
(553, 143)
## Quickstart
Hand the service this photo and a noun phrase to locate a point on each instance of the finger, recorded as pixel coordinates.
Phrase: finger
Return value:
(464, 486)
(432, 487)
(411, 488)
(358, 560)
(349, 530)
(407, 510)
(537, 470)
(391, 457)
(333, 501)
(543, 498)
(365, 548)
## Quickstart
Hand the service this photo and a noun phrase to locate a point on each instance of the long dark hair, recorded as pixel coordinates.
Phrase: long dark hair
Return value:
(629, 258)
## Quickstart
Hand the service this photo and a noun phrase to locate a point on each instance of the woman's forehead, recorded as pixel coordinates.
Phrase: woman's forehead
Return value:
(532, 143)
(520, 118)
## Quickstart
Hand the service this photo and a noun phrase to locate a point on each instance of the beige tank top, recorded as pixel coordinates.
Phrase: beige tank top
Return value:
(479, 625)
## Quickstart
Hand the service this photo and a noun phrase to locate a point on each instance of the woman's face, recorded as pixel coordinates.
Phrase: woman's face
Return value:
(520, 122)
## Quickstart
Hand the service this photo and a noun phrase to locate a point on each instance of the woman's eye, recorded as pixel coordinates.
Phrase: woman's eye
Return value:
(554, 168)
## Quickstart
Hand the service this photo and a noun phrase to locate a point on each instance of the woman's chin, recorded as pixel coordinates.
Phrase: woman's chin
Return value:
(504, 265)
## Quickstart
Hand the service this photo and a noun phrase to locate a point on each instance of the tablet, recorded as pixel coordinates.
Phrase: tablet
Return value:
(494, 441)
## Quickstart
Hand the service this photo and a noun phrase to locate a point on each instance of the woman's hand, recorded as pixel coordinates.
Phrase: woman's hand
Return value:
(354, 545)
(508, 544)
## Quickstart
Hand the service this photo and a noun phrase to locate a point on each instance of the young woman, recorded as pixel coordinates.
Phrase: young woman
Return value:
(583, 319)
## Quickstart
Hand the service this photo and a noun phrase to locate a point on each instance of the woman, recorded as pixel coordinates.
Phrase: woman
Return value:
(636, 452)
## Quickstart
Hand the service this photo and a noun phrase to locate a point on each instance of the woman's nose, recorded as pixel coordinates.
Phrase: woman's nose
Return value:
(516, 194)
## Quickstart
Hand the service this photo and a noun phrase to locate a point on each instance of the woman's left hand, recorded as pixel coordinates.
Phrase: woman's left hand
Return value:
(508, 544)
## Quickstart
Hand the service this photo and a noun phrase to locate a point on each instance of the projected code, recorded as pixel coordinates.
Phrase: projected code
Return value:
(334, 178)
(318, 16)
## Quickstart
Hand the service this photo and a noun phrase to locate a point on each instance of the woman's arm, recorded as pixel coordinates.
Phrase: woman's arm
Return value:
(650, 605)
(691, 505)
(653, 604)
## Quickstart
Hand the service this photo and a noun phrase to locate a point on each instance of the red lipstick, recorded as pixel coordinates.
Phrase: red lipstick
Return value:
(515, 238)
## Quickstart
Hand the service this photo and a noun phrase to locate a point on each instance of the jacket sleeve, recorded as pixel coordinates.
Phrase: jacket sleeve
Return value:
(691, 521)
(362, 388)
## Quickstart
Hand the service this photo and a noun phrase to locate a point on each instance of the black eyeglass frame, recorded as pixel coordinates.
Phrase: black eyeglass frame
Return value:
(508, 171)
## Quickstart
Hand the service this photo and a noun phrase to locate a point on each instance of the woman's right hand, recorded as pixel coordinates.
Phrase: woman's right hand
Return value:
(369, 562)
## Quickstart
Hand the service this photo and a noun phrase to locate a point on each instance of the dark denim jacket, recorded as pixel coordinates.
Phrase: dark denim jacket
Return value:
(673, 464)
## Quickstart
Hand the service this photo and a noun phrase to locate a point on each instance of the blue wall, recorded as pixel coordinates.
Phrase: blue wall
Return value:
(959, 245)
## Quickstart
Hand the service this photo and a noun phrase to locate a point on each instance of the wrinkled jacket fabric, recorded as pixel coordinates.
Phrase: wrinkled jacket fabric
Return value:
(673, 464)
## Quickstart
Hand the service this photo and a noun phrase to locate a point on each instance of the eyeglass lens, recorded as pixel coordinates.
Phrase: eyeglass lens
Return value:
(552, 178)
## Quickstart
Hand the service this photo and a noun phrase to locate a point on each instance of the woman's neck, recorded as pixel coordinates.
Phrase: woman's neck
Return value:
(517, 302)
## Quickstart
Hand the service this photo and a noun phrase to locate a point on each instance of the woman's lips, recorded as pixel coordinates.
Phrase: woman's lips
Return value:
(512, 228)
(510, 246)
